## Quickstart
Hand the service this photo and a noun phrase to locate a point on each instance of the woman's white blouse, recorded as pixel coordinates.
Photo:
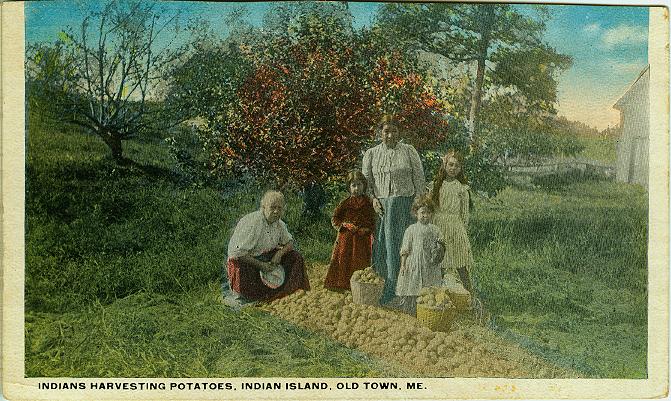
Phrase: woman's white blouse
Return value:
(253, 236)
(393, 172)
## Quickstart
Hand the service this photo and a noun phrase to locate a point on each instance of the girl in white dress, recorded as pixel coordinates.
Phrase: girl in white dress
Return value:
(421, 253)
(450, 194)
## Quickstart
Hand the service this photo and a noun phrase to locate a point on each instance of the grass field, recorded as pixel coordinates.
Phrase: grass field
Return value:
(564, 271)
(122, 262)
(190, 335)
(600, 149)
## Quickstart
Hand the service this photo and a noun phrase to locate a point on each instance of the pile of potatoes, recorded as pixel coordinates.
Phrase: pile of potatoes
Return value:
(367, 275)
(435, 298)
(468, 350)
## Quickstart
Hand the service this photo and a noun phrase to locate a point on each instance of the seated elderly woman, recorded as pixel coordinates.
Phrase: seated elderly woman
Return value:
(261, 242)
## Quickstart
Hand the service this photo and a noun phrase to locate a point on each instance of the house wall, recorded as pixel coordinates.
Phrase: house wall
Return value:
(632, 152)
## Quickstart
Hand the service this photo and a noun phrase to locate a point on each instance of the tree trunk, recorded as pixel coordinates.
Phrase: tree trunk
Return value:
(476, 98)
(314, 199)
(117, 151)
(114, 144)
(487, 14)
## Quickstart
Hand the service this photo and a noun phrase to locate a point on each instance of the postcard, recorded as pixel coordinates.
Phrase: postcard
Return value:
(334, 200)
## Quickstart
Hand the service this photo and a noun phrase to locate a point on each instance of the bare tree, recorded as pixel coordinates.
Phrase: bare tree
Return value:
(116, 61)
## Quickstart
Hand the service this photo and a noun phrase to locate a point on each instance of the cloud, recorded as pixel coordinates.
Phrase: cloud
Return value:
(592, 28)
(625, 35)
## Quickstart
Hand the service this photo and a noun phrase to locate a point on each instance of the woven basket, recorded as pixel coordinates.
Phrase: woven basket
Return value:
(461, 299)
(436, 319)
(459, 296)
(366, 293)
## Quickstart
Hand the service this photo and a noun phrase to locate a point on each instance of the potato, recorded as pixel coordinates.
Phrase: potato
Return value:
(440, 297)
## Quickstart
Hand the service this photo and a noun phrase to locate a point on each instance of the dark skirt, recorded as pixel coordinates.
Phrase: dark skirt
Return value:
(245, 280)
(387, 243)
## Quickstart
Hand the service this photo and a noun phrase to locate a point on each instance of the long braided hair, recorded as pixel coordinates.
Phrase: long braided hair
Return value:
(442, 174)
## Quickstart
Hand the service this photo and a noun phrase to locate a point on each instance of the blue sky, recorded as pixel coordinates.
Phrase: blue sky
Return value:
(608, 45)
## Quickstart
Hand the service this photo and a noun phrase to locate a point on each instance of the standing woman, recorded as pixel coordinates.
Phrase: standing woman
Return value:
(395, 176)
(450, 194)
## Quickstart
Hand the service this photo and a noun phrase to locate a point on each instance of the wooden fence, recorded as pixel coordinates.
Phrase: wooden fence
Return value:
(552, 167)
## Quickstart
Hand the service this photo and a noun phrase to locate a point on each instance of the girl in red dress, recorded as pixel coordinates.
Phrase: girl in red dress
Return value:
(354, 218)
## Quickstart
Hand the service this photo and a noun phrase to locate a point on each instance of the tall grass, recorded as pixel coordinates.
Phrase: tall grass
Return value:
(566, 272)
(97, 232)
(190, 335)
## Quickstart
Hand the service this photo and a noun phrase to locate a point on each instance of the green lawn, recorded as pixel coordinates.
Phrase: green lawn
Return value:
(122, 264)
(600, 149)
(190, 335)
(564, 272)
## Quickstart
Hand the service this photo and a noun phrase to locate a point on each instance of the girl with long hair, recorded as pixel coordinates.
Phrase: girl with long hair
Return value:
(450, 193)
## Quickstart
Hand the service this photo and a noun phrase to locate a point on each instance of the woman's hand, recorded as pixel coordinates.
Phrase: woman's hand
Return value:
(349, 226)
(277, 258)
(377, 205)
(404, 258)
(267, 267)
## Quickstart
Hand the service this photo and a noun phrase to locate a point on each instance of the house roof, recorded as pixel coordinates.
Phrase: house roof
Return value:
(618, 103)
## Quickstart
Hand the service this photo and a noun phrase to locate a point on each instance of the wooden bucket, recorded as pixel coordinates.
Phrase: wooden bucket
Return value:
(366, 293)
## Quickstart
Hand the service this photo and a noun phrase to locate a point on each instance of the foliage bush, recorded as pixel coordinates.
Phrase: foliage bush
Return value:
(307, 97)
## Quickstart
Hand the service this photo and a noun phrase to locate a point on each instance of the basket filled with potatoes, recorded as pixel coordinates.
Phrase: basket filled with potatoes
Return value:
(366, 287)
(435, 310)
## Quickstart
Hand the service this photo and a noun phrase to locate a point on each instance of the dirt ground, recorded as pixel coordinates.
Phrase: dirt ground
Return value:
(468, 349)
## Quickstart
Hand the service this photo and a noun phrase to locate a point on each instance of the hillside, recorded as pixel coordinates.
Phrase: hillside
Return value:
(123, 266)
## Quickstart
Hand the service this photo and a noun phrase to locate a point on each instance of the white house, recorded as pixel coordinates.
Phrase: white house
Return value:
(632, 148)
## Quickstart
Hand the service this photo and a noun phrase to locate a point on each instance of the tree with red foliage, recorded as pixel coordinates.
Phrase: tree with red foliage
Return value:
(308, 106)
